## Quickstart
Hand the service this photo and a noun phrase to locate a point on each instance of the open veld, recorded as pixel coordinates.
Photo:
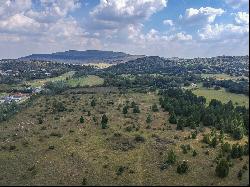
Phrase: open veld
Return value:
(44, 146)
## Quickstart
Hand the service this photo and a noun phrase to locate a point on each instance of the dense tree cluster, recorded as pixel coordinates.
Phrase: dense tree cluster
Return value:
(7, 110)
(239, 87)
(56, 87)
(191, 111)
(147, 80)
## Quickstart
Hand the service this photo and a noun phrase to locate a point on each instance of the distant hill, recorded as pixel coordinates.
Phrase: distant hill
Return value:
(84, 57)
(149, 64)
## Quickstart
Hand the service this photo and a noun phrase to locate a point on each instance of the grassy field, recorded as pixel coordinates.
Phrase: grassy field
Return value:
(90, 80)
(62, 151)
(222, 95)
(100, 65)
(40, 82)
(222, 76)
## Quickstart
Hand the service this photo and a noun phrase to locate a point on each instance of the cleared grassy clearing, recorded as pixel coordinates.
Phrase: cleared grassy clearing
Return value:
(89, 80)
(222, 95)
(40, 82)
(100, 65)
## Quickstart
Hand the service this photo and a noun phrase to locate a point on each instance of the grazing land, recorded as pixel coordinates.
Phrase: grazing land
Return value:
(89, 80)
(41, 82)
(222, 95)
(63, 151)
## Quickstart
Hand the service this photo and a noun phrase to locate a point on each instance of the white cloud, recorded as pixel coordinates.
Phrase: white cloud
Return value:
(126, 11)
(242, 18)
(11, 7)
(221, 32)
(168, 22)
(237, 3)
(52, 10)
(181, 37)
(201, 15)
(19, 23)
(19, 17)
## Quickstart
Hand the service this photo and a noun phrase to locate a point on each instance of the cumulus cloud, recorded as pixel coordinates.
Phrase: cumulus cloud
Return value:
(242, 18)
(180, 37)
(237, 3)
(52, 10)
(19, 23)
(168, 22)
(118, 12)
(223, 32)
(11, 7)
(201, 15)
(18, 17)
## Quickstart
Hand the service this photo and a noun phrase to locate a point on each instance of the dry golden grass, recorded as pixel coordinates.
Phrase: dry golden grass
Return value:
(85, 152)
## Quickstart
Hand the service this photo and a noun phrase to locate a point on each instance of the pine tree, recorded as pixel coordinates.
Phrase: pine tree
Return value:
(125, 110)
(104, 121)
(155, 108)
(172, 119)
(93, 103)
(222, 169)
(148, 120)
(81, 119)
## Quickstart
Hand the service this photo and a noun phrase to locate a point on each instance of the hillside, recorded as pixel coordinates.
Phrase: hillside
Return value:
(83, 57)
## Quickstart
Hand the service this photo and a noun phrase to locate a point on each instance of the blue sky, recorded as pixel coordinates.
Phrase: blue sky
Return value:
(169, 28)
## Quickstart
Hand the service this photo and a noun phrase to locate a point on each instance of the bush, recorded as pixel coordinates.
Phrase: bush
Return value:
(214, 142)
(171, 158)
(238, 132)
(222, 168)
(172, 119)
(194, 153)
(226, 147)
(120, 170)
(136, 109)
(81, 119)
(194, 134)
(149, 119)
(240, 173)
(93, 103)
(104, 121)
(185, 148)
(40, 121)
(155, 108)
(237, 151)
(180, 124)
(125, 110)
(182, 168)
(139, 138)
(51, 147)
(58, 106)
(84, 181)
